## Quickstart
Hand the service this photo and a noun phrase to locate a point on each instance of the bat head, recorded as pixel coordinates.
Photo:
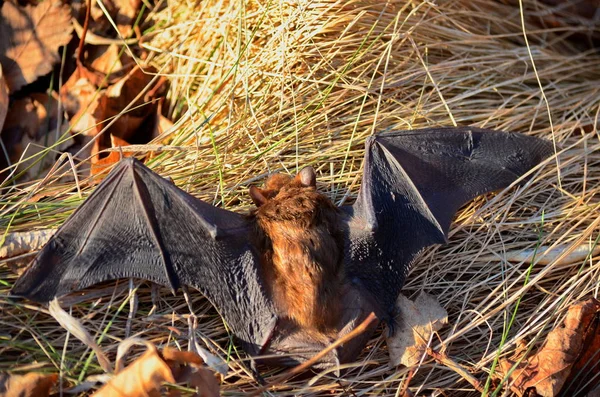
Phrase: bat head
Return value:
(281, 183)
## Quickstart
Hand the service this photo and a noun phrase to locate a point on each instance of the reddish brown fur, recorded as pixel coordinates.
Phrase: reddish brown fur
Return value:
(302, 259)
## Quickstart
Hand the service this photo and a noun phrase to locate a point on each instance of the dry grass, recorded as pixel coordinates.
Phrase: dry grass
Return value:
(265, 86)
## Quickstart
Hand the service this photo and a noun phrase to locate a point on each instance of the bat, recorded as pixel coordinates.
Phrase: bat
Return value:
(296, 272)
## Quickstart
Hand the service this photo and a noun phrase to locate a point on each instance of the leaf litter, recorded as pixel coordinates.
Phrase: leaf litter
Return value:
(145, 376)
(104, 80)
(417, 321)
(568, 361)
(32, 384)
(31, 36)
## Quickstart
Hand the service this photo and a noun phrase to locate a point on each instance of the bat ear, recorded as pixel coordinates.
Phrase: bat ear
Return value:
(257, 196)
(307, 177)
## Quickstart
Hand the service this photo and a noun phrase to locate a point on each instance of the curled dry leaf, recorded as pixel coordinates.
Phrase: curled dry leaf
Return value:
(82, 91)
(3, 99)
(80, 100)
(568, 361)
(84, 88)
(30, 128)
(418, 321)
(145, 375)
(101, 165)
(32, 384)
(116, 98)
(30, 39)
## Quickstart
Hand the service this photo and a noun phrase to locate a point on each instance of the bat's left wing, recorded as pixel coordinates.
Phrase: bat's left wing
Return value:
(138, 224)
(413, 184)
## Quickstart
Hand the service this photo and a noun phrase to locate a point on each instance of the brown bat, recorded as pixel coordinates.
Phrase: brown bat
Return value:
(297, 272)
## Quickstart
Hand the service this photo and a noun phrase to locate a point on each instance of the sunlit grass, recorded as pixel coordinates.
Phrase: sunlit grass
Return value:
(259, 87)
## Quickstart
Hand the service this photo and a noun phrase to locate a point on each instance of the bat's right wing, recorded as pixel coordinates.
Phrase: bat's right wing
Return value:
(413, 184)
(137, 224)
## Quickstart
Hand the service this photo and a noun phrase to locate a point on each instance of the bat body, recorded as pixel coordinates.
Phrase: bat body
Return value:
(302, 250)
(297, 272)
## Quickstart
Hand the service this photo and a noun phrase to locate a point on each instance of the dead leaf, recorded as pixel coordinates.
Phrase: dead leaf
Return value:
(80, 99)
(567, 360)
(32, 384)
(74, 326)
(31, 126)
(3, 99)
(418, 321)
(81, 93)
(142, 378)
(127, 124)
(145, 375)
(161, 125)
(128, 12)
(100, 165)
(31, 36)
(109, 60)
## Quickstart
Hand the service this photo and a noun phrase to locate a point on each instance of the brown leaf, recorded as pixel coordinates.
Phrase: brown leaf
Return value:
(568, 358)
(3, 99)
(18, 243)
(145, 375)
(418, 320)
(31, 126)
(80, 100)
(101, 165)
(161, 125)
(116, 98)
(32, 384)
(108, 61)
(128, 11)
(30, 40)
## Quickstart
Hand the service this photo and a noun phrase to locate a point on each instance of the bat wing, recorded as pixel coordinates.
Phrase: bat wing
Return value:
(137, 224)
(413, 184)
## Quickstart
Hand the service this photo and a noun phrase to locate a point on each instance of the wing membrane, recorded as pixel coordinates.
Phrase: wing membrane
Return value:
(413, 184)
(137, 224)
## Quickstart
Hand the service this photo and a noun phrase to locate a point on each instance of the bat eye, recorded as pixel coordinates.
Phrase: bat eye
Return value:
(307, 177)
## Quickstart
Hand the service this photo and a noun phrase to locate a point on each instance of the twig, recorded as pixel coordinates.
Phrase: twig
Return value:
(83, 33)
(443, 359)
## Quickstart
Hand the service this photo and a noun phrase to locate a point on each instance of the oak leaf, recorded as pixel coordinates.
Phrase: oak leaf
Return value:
(101, 165)
(129, 124)
(568, 359)
(145, 375)
(32, 384)
(30, 128)
(109, 60)
(31, 36)
(418, 321)
(80, 99)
